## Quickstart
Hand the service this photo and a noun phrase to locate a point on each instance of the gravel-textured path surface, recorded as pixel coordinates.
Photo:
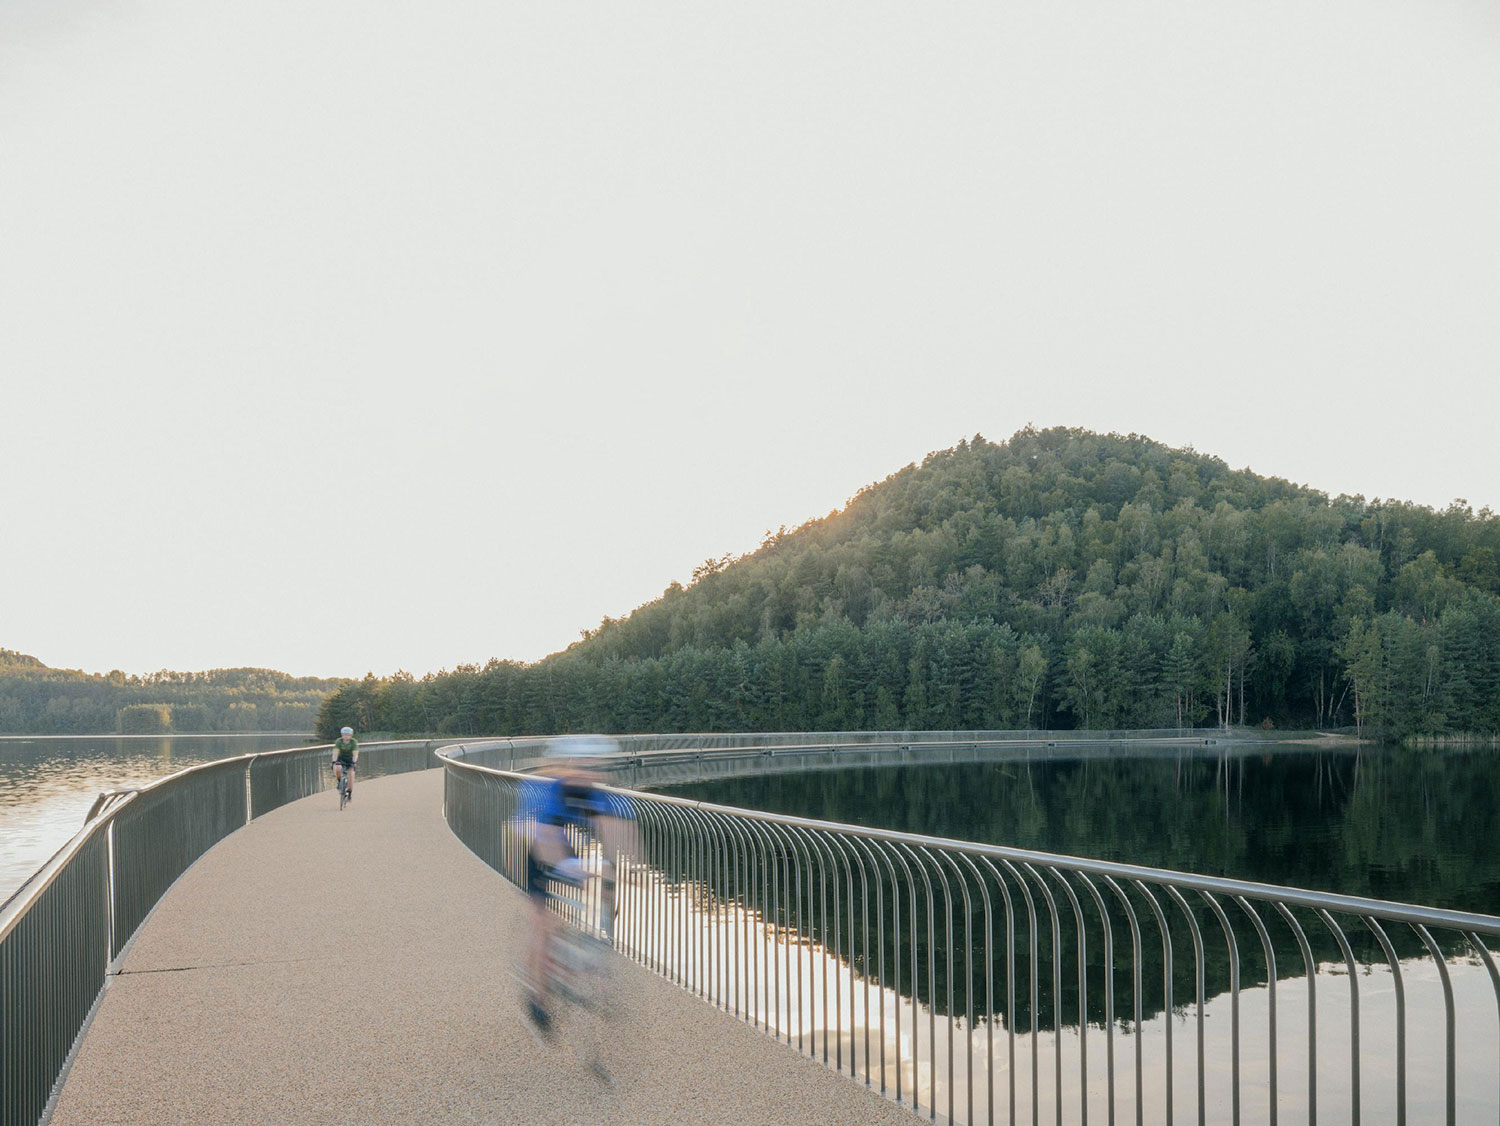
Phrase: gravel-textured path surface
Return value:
(320, 966)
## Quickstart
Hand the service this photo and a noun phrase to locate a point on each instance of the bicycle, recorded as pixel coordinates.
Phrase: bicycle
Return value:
(345, 775)
(579, 965)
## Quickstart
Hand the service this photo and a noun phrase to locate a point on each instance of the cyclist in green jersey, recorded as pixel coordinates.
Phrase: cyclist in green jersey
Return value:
(345, 757)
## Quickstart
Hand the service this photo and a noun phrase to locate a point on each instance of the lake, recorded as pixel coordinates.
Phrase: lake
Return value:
(48, 783)
(1387, 823)
(1414, 826)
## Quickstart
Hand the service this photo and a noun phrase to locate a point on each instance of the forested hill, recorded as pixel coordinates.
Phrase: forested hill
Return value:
(1059, 579)
(38, 700)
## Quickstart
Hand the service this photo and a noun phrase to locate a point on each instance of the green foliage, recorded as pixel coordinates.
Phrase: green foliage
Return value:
(38, 700)
(1060, 579)
(144, 719)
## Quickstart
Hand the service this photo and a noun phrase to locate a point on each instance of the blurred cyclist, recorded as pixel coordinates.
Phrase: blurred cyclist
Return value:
(566, 793)
(345, 755)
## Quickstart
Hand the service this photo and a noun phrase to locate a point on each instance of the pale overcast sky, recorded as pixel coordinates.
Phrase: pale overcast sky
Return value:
(342, 337)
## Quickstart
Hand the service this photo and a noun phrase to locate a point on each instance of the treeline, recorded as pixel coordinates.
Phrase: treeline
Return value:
(38, 700)
(1060, 579)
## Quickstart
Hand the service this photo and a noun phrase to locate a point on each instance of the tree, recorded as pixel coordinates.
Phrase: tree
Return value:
(1031, 674)
(1181, 678)
(1228, 652)
(1361, 652)
(144, 719)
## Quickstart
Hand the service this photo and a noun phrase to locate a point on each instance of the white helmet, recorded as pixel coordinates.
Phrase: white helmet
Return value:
(346, 731)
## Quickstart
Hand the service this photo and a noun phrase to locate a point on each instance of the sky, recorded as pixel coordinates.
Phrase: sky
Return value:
(343, 338)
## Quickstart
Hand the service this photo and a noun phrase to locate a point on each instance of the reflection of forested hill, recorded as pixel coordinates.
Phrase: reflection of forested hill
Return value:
(1383, 824)
(37, 700)
(1062, 578)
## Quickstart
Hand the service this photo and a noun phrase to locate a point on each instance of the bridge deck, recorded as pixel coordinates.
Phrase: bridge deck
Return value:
(320, 966)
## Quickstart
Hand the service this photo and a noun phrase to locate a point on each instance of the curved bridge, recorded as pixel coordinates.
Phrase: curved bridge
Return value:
(319, 966)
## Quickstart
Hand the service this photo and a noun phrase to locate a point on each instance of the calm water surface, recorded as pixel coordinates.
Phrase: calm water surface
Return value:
(1386, 823)
(48, 784)
(1419, 827)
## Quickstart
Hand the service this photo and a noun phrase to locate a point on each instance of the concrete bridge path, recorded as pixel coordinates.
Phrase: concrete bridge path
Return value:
(327, 967)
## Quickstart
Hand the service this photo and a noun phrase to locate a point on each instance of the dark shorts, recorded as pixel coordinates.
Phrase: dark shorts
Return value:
(539, 875)
(536, 877)
(346, 763)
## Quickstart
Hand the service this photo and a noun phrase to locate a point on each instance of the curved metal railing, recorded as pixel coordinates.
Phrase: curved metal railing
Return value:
(977, 983)
(61, 930)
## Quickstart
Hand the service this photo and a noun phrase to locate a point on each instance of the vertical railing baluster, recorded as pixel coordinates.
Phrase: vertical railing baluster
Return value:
(894, 850)
(841, 849)
(867, 855)
(1234, 1002)
(942, 876)
(1349, 961)
(1032, 931)
(1137, 972)
(916, 1052)
(1269, 952)
(736, 914)
(1083, 995)
(1109, 994)
(1199, 980)
(1057, 1015)
(1450, 1058)
(1010, 989)
(1312, 1010)
(1166, 986)
(818, 911)
(963, 886)
(1395, 963)
(989, 992)
(1489, 964)
(799, 934)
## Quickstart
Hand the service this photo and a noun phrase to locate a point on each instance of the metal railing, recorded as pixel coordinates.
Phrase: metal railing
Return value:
(654, 761)
(61, 930)
(977, 983)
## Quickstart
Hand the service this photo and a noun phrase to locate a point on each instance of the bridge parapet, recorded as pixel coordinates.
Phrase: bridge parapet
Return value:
(968, 980)
(63, 928)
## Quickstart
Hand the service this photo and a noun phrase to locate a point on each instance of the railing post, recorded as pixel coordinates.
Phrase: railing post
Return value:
(109, 893)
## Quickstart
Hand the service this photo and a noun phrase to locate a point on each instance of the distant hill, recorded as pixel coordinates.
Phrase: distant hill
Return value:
(38, 700)
(1061, 579)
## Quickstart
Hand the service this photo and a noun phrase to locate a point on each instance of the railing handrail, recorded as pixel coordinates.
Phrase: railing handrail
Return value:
(634, 755)
(1218, 885)
(15, 906)
(778, 740)
(76, 916)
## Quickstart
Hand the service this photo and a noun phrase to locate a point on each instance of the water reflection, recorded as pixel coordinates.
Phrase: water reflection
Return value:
(48, 784)
(1001, 1069)
(980, 994)
(1384, 823)
(1392, 825)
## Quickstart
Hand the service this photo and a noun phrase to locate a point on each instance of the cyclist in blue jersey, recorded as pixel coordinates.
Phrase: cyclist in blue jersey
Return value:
(566, 794)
